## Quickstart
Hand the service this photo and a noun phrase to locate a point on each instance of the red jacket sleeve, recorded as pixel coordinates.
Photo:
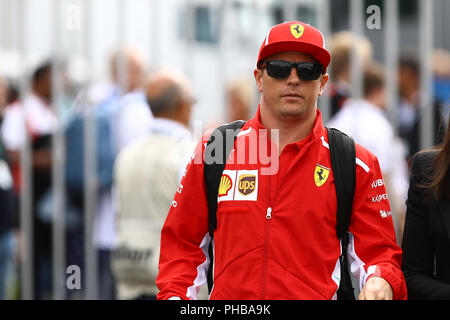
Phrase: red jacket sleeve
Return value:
(373, 248)
(183, 261)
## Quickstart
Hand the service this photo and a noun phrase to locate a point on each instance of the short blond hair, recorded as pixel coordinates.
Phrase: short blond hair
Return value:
(341, 46)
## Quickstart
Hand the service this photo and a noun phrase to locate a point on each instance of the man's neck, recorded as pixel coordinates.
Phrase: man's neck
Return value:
(290, 130)
(374, 101)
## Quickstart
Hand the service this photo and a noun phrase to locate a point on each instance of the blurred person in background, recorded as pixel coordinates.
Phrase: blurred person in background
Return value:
(364, 120)
(130, 120)
(147, 175)
(409, 112)
(134, 117)
(341, 46)
(124, 89)
(239, 99)
(34, 116)
(8, 215)
(426, 243)
(121, 114)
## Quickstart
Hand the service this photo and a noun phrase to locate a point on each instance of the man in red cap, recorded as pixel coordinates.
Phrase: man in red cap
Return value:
(276, 221)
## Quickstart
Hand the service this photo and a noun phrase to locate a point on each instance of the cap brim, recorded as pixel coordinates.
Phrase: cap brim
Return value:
(320, 54)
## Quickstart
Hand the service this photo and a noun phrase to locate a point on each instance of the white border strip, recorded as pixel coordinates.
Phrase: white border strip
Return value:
(357, 265)
(241, 133)
(202, 270)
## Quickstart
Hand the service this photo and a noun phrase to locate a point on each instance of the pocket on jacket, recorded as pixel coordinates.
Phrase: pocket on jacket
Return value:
(231, 210)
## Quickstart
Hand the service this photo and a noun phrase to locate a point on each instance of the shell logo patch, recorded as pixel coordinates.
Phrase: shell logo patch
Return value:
(246, 184)
(321, 174)
(225, 185)
(238, 185)
(297, 30)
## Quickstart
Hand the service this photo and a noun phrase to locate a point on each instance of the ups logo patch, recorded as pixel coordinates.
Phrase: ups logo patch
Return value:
(247, 184)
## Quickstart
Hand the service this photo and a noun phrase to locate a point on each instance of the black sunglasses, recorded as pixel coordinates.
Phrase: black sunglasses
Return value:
(280, 69)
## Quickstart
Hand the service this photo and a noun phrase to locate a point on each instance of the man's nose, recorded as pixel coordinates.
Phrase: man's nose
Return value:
(293, 77)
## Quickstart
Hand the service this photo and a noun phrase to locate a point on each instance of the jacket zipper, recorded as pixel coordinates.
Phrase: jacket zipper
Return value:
(266, 251)
(266, 245)
(269, 213)
(266, 241)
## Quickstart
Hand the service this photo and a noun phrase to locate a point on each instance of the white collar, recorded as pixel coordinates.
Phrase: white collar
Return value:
(170, 127)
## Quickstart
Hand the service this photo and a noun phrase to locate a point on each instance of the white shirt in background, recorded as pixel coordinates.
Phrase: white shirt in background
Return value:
(40, 120)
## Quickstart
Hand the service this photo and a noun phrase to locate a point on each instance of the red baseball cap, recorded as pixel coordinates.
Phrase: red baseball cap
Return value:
(294, 36)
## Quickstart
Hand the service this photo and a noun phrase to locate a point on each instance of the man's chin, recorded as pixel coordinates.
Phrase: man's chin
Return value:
(293, 111)
(296, 113)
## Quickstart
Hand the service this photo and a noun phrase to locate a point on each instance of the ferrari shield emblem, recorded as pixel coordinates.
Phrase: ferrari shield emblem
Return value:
(297, 30)
(321, 174)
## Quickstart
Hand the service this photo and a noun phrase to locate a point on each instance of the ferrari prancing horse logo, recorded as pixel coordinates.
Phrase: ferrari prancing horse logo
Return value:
(321, 174)
(297, 30)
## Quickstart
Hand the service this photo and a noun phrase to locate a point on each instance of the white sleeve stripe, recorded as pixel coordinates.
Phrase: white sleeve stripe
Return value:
(357, 265)
(358, 160)
(202, 270)
(362, 165)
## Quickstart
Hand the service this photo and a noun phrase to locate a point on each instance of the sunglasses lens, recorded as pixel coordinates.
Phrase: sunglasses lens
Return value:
(278, 69)
(305, 70)
(309, 71)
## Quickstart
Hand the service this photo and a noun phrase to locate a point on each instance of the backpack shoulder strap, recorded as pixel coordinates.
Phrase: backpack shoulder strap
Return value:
(213, 171)
(227, 133)
(343, 156)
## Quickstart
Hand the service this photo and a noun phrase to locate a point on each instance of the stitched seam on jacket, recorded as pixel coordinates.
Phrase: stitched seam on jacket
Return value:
(234, 259)
(301, 280)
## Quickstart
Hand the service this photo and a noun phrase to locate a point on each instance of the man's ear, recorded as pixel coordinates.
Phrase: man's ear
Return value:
(258, 76)
(323, 82)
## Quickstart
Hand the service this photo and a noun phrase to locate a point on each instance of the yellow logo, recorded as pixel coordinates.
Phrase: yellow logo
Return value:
(321, 175)
(246, 184)
(225, 185)
(297, 30)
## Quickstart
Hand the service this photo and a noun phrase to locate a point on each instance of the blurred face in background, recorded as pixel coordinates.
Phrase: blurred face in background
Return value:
(408, 82)
(135, 73)
(131, 64)
(238, 109)
(42, 84)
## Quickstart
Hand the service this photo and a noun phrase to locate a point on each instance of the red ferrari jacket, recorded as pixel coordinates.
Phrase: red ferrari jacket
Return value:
(276, 233)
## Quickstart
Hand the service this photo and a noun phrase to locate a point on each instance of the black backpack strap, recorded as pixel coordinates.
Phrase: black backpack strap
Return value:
(212, 173)
(343, 157)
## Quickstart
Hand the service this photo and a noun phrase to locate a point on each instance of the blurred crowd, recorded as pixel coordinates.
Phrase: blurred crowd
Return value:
(143, 142)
